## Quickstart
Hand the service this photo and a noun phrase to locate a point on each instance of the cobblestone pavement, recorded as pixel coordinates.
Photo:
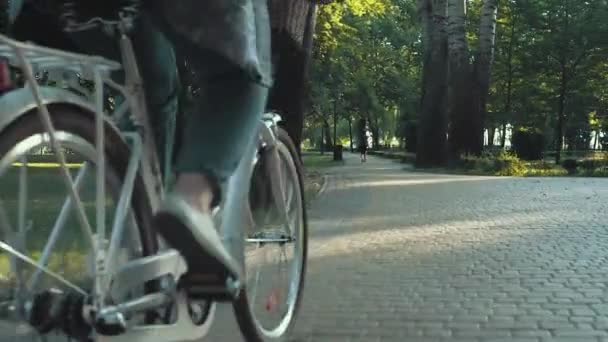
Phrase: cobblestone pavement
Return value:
(407, 256)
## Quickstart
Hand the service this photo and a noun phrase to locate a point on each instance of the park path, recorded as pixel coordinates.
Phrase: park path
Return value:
(408, 256)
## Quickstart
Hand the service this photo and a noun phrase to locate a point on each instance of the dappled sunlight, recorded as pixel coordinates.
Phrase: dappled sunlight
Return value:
(420, 239)
(381, 169)
(421, 181)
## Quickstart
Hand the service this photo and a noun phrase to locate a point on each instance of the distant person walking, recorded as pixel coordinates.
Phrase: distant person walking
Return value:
(362, 140)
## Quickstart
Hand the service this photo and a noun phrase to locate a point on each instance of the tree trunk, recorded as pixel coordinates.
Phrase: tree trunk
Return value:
(322, 140)
(335, 122)
(328, 142)
(491, 134)
(460, 109)
(375, 128)
(561, 106)
(431, 150)
(483, 63)
(350, 133)
(293, 26)
(503, 136)
(595, 141)
(508, 104)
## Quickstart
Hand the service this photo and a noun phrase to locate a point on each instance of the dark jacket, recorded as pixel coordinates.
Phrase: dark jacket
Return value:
(237, 29)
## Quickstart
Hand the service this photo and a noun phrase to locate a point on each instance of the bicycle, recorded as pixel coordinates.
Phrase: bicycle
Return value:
(124, 283)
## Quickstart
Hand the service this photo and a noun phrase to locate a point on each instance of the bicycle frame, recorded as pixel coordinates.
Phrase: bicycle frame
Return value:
(234, 214)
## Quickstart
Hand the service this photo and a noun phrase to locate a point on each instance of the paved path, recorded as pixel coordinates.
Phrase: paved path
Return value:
(405, 256)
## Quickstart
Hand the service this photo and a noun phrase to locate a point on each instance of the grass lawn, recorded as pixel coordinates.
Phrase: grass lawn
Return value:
(313, 161)
(46, 195)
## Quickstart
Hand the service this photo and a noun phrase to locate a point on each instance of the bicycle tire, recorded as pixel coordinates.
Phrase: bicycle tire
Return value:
(245, 317)
(75, 121)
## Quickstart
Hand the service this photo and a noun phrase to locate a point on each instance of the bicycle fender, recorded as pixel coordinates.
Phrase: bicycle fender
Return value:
(19, 102)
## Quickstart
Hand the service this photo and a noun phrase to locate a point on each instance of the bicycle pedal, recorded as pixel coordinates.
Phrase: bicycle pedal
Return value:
(213, 287)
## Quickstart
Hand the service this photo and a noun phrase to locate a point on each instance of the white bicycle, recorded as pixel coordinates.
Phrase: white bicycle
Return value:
(78, 256)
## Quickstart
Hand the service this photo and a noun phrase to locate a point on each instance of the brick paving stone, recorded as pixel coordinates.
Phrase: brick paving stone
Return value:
(409, 256)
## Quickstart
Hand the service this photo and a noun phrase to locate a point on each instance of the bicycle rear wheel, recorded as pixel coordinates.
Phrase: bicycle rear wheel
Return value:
(34, 201)
(267, 312)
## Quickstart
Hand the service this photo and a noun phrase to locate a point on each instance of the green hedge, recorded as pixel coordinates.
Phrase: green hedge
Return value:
(502, 164)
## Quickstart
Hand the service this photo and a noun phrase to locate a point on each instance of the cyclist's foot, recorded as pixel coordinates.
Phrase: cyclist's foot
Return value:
(196, 189)
(184, 220)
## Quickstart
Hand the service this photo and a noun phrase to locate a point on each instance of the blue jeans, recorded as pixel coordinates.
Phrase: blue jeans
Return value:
(218, 124)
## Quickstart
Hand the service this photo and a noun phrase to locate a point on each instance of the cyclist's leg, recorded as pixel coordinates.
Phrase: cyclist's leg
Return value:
(157, 65)
(233, 88)
(231, 58)
(13, 9)
(218, 129)
(157, 62)
(217, 132)
(219, 126)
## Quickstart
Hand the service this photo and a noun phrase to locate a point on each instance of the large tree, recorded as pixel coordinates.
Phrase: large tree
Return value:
(482, 70)
(293, 25)
(569, 41)
(461, 113)
(433, 120)
(469, 84)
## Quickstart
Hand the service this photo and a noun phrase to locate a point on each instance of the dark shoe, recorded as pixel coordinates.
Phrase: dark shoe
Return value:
(193, 234)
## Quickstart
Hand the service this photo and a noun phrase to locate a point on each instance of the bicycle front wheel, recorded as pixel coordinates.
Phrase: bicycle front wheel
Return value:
(38, 221)
(275, 253)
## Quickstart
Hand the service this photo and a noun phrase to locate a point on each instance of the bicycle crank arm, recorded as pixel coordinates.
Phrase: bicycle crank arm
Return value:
(115, 314)
(184, 329)
(168, 267)
(166, 263)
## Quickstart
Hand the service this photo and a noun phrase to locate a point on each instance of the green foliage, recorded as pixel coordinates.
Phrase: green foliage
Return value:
(508, 164)
(502, 164)
(368, 58)
(528, 143)
(570, 165)
(333, 26)
(537, 40)
(589, 165)
(366, 64)
(543, 169)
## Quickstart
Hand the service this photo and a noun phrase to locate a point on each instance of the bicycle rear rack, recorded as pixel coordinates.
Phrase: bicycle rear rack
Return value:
(42, 58)
(31, 58)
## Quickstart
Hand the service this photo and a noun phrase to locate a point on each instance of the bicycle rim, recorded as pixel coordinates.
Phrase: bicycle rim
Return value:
(40, 222)
(275, 260)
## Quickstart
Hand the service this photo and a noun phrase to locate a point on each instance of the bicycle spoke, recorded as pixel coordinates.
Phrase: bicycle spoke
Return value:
(278, 184)
(5, 224)
(100, 186)
(22, 195)
(58, 227)
(48, 125)
(290, 190)
(264, 240)
(33, 263)
(11, 235)
(255, 285)
(123, 206)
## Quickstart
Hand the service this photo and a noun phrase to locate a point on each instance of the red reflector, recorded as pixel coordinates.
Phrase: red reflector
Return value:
(6, 81)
